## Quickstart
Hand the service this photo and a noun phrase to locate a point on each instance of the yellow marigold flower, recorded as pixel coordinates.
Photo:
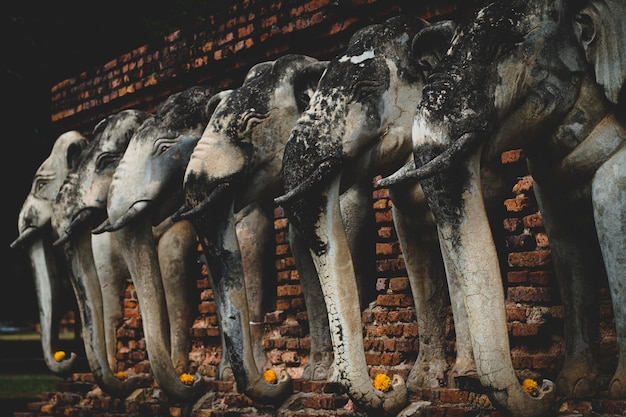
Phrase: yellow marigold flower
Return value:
(530, 387)
(59, 355)
(382, 383)
(270, 376)
(121, 375)
(186, 379)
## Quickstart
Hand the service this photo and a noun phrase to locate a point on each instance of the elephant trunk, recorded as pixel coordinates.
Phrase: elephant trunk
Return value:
(333, 262)
(86, 284)
(468, 247)
(309, 161)
(43, 263)
(177, 256)
(217, 232)
(139, 251)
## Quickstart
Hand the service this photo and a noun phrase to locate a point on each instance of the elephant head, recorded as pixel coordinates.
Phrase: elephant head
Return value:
(35, 234)
(81, 201)
(599, 27)
(160, 254)
(358, 125)
(97, 271)
(235, 166)
(515, 77)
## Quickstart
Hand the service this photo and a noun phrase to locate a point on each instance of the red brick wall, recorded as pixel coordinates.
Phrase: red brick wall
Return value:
(220, 51)
(534, 309)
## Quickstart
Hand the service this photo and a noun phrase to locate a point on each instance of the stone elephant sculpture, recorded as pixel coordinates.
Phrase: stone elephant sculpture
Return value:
(516, 77)
(160, 254)
(96, 268)
(357, 126)
(237, 163)
(47, 263)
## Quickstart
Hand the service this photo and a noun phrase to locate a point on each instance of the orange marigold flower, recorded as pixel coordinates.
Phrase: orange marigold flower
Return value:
(59, 355)
(530, 387)
(270, 376)
(121, 375)
(186, 379)
(382, 383)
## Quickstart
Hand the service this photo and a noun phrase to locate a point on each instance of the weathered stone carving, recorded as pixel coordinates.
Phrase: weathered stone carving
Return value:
(97, 272)
(599, 27)
(236, 165)
(43, 208)
(161, 254)
(35, 236)
(357, 126)
(517, 77)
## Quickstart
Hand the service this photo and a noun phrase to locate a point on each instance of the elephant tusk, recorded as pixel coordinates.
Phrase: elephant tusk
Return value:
(136, 209)
(178, 214)
(323, 170)
(101, 228)
(398, 176)
(183, 213)
(27, 234)
(64, 238)
(439, 163)
(79, 220)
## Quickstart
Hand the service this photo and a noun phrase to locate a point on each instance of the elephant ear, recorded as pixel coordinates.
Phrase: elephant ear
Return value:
(431, 43)
(74, 151)
(600, 27)
(258, 69)
(305, 82)
(214, 101)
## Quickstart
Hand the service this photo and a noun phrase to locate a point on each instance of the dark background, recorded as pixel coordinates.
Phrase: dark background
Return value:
(44, 43)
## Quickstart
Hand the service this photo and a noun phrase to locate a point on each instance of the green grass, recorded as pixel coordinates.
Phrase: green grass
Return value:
(13, 386)
(28, 336)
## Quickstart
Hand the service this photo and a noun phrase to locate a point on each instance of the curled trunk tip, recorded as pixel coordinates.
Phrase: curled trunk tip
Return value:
(61, 368)
(267, 393)
(116, 387)
(184, 392)
(395, 400)
(379, 403)
(518, 403)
